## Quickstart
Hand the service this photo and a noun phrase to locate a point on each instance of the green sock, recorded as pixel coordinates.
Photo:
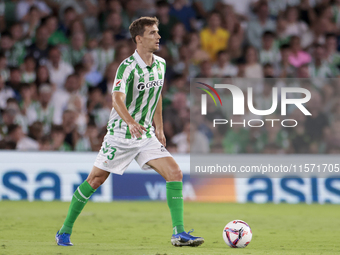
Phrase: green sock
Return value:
(79, 200)
(175, 202)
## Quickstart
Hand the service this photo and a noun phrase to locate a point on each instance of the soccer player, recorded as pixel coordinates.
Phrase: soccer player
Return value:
(137, 101)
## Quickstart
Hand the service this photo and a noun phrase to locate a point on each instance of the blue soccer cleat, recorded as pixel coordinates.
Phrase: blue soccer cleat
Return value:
(185, 239)
(63, 239)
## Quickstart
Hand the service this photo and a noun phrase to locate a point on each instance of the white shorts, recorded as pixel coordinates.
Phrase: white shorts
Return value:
(116, 154)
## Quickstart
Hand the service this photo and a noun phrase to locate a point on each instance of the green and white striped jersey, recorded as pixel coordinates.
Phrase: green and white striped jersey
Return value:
(142, 86)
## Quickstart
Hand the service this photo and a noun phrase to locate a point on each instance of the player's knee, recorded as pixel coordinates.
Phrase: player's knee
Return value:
(95, 182)
(175, 174)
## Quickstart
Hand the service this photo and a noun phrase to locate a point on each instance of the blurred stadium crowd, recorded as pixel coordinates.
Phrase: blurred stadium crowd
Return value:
(58, 59)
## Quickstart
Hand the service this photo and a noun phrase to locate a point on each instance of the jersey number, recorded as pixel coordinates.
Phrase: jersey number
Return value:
(106, 150)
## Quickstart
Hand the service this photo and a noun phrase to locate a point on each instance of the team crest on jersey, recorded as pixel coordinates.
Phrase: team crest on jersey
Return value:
(142, 86)
(159, 70)
(118, 83)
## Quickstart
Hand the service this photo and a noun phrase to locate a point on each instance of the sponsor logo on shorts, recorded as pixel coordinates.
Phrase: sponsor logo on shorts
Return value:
(163, 148)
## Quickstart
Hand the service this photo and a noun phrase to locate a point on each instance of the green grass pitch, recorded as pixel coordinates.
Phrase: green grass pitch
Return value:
(145, 228)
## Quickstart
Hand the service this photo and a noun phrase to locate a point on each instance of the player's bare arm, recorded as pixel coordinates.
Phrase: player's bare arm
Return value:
(158, 120)
(136, 129)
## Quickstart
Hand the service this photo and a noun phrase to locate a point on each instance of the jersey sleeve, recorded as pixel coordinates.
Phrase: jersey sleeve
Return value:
(164, 64)
(121, 78)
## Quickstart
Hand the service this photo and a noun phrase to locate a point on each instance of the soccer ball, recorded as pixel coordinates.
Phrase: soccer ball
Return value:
(237, 234)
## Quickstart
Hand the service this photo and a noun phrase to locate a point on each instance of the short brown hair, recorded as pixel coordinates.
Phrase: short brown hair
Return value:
(138, 26)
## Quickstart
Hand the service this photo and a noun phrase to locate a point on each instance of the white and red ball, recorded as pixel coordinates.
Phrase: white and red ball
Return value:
(237, 234)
